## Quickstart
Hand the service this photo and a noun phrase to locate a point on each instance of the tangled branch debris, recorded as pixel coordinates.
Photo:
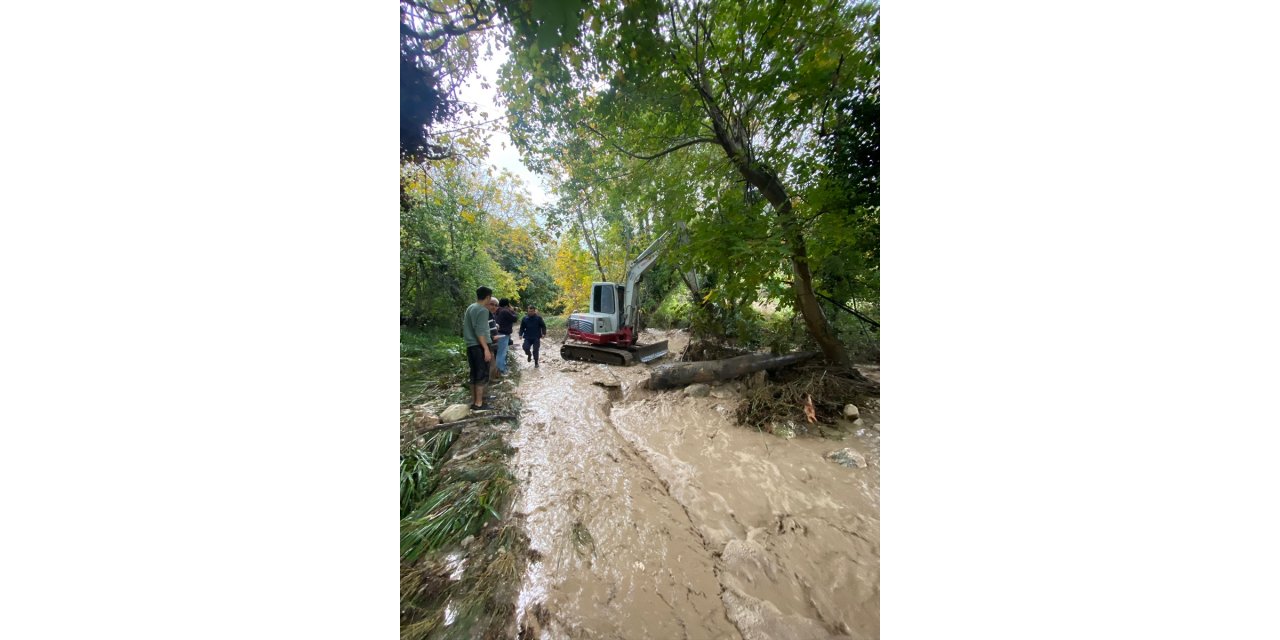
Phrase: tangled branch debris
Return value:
(785, 398)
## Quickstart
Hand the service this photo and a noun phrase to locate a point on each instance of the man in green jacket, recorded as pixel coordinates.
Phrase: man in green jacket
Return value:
(475, 331)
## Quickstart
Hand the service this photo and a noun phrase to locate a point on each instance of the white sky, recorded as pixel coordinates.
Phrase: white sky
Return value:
(503, 157)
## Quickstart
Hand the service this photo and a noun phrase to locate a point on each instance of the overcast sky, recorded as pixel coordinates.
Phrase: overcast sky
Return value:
(502, 157)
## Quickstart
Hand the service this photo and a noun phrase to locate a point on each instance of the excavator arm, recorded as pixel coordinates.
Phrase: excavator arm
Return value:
(641, 264)
(638, 267)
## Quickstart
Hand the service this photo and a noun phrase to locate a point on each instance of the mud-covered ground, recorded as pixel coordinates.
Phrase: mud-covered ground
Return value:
(657, 517)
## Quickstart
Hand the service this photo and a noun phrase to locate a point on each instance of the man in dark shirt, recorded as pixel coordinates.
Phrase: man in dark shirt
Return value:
(506, 317)
(532, 329)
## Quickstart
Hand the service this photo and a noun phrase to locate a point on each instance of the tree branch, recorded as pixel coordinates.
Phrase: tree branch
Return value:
(654, 156)
(855, 312)
(419, 432)
(469, 126)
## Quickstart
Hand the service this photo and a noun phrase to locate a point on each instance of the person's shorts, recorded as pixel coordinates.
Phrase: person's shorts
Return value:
(479, 368)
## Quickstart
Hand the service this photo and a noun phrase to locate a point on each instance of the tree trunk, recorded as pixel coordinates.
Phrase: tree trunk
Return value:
(679, 375)
(763, 179)
(589, 235)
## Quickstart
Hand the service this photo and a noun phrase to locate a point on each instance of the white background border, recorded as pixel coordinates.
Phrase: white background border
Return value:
(198, 253)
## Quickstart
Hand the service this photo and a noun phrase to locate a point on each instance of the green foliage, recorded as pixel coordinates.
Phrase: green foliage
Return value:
(468, 494)
(624, 117)
(451, 513)
(440, 43)
(432, 361)
(555, 322)
(462, 227)
(674, 310)
(846, 263)
(419, 465)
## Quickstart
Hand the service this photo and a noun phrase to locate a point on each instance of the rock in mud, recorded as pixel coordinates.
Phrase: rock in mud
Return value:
(722, 393)
(423, 417)
(455, 412)
(697, 390)
(847, 457)
(850, 411)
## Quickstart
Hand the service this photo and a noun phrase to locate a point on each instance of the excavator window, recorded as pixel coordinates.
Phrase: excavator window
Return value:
(604, 299)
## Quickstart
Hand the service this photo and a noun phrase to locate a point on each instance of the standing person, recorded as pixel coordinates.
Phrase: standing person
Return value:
(506, 317)
(475, 332)
(532, 329)
(492, 305)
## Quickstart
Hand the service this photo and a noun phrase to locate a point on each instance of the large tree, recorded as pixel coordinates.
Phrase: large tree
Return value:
(623, 87)
(439, 44)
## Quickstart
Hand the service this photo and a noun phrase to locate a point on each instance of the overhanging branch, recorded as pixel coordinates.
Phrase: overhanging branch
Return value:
(687, 143)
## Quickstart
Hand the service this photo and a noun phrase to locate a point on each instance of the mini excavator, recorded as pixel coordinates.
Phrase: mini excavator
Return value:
(607, 332)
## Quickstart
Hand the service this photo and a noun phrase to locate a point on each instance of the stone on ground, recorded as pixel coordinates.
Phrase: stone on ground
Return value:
(455, 412)
(850, 411)
(697, 390)
(847, 457)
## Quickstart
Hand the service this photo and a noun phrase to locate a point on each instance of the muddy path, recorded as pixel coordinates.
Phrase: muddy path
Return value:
(655, 516)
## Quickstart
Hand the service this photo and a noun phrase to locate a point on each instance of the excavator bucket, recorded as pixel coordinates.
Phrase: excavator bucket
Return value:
(614, 355)
(647, 352)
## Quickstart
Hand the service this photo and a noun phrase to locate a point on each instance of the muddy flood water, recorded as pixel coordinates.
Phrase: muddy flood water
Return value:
(656, 516)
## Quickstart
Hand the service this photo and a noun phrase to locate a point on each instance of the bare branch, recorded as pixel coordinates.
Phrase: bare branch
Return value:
(653, 156)
(470, 126)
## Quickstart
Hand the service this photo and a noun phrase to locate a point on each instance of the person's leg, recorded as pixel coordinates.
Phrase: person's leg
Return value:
(501, 356)
(536, 346)
(479, 374)
(528, 344)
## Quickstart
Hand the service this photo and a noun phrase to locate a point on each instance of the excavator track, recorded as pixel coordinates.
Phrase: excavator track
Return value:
(613, 355)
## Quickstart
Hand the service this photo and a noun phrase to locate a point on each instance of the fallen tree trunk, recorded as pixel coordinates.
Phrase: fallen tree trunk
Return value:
(418, 432)
(679, 375)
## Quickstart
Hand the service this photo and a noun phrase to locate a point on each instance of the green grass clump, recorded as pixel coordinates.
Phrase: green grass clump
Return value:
(452, 512)
(468, 494)
(419, 463)
(432, 361)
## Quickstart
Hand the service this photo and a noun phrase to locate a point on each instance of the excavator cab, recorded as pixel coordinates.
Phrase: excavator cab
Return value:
(606, 306)
(603, 322)
(604, 315)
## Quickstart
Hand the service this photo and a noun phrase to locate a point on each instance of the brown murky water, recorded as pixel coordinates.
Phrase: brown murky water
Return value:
(657, 517)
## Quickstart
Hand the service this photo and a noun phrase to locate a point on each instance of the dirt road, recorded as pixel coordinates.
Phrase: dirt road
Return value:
(657, 517)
